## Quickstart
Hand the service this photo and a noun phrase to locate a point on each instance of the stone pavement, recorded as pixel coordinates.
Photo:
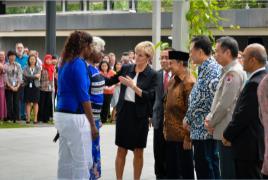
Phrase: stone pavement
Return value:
(29, 153)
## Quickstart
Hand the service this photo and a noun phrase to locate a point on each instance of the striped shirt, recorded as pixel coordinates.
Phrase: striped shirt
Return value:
(97, 84)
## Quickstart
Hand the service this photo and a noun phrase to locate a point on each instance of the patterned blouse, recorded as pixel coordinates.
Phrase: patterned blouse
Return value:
(45, 83)
(201, 98)
(13, 75)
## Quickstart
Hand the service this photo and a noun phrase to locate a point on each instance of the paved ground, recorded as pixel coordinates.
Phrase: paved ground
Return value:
(29, 153)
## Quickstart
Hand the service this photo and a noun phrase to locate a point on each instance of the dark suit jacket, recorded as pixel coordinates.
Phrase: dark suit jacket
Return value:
(146, 81)
(158, 108)
(245, 131)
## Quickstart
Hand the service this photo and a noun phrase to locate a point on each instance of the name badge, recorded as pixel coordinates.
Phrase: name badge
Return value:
(14, 83)
(30, 85)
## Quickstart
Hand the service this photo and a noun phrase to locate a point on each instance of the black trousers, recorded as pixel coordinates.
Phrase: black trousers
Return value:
(105, 111)
(12, 101)
(179, 161)
(159, 154)
(45, 106)
(248, 169)
(206, 157)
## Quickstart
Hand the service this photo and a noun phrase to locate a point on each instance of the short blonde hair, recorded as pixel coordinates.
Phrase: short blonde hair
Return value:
(147, 47)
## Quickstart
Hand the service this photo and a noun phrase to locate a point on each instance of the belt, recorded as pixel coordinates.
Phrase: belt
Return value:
(70, 112)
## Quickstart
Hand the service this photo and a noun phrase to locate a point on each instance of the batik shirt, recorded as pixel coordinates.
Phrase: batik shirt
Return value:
(201, 98)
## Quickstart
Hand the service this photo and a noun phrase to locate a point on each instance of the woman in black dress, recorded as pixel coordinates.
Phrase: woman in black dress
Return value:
(31, 77)
(134, 107)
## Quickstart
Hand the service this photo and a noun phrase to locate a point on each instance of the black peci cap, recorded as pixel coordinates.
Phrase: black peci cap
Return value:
(178, 55)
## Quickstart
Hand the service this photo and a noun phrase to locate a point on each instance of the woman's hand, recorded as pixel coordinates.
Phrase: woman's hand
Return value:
(94, 132)
(127, 81)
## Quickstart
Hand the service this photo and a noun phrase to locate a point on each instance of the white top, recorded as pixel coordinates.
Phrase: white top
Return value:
(169, 75)
(130, 93)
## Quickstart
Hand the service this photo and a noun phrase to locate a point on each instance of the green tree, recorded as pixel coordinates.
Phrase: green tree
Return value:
(202, 15)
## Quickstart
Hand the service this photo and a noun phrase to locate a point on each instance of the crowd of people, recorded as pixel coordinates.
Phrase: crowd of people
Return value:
(213, 125)
(27, 82)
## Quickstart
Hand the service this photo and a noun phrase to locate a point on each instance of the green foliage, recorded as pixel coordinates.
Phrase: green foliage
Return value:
(144, 6)
(201, 15)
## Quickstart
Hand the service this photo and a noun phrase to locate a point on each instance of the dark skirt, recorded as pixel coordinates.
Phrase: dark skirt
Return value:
(131, 131)
(31, 95)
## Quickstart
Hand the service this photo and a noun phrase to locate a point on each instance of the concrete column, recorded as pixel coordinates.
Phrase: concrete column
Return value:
(84, 5)
(180, 29)
(156, 28)
(51, 27)
(63, 5)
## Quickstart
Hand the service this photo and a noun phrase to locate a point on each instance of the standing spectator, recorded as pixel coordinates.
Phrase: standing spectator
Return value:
(245, 132)
(263, 103)
(46, 89)
(131, 57)
(107, 72)
(112, 59)
(163, 76)
(74, 119)
(26, 51)
(117, 68)
(3, 107)
(138, 82)
(55, 63)
(106, 58)
(125, 58)
(179, 154)
(22, 59)
(13, 82)
(230, 85)
(39, 61)
(206, 154)
(31, 77)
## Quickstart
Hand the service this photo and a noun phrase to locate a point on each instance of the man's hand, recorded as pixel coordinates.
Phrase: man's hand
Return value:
(187, 145)
(225, 142)
(208, 126)
(186, 126)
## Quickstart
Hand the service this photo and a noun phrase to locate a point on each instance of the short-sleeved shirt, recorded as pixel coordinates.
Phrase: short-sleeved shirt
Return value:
(23, 61)
(96, 91)
(73, 86)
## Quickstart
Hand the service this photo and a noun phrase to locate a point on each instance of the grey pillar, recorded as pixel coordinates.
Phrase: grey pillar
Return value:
(63, 5)
(156, 28)
(51, 27)
(180, 29)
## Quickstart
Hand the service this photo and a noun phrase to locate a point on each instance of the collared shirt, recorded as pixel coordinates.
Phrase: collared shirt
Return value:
(201, 98)
(169, 75)
(22, 61)
(13, 75)
(228, 90)
(252, 74)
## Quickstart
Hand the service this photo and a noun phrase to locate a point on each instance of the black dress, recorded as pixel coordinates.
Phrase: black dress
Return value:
(31, 93)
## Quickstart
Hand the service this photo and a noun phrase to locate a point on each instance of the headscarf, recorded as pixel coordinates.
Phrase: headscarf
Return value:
(49, 67)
